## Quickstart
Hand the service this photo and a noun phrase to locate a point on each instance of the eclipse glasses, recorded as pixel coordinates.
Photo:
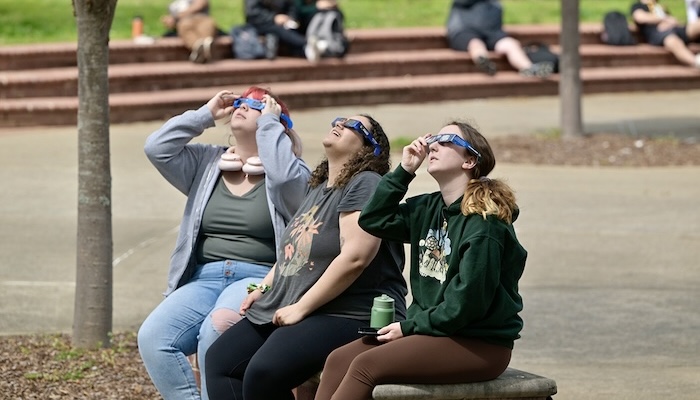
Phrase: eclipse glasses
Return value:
(259, 105)
(358, 127)
(455, 139)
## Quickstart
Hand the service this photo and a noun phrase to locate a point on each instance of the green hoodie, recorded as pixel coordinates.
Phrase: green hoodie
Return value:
(464, 279)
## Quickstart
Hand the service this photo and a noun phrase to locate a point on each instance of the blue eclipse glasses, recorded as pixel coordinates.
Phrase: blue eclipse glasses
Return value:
(455, 139)
(259, 105)
(357, 126)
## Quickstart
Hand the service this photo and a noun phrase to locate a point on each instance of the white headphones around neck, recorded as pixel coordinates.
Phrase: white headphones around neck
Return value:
(231, 161)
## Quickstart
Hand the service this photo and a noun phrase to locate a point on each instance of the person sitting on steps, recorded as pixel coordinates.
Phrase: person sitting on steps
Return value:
(191, 21)
(278, 21)
(659, 28)
(476, 26)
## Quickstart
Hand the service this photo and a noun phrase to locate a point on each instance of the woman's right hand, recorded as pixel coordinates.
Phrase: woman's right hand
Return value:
(414, 154)
(390, 332)
(667, 24)
(168, 21)
(249, 300)
(281, 19)
(221, 105)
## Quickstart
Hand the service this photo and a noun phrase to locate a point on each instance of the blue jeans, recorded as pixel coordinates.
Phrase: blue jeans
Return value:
(181, 324)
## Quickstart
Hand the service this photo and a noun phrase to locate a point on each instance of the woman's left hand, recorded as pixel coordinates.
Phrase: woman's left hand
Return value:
(271, 106)
(390, 332)
(288, 315)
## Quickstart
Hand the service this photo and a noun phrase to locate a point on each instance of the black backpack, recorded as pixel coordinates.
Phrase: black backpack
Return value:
(328, 25)
(616, 31)
(246, 43)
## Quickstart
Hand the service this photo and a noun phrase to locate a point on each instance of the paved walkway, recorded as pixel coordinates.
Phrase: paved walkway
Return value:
(610, 289)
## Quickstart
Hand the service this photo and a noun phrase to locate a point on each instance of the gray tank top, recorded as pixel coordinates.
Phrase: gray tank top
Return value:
(237, 227)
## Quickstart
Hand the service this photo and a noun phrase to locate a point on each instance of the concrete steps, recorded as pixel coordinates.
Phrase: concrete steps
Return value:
(38, 83)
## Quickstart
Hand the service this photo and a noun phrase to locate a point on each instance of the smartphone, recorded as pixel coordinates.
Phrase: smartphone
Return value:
(367, 331)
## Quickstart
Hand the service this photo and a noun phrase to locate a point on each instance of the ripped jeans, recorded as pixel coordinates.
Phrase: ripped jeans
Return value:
(189, 320)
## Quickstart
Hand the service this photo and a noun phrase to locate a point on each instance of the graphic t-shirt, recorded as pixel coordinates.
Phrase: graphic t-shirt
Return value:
(312, 241)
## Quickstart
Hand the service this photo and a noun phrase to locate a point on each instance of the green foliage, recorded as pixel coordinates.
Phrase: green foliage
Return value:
(397, 144)
(38, 21)
(551, 133)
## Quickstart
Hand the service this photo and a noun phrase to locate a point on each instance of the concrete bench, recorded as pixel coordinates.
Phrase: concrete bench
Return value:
(511, 385)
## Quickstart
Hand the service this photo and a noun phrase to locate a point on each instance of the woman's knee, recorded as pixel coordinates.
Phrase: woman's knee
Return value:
(224, 318)
(507, 44)
(213, 326)
(148, 333)
(672, 41)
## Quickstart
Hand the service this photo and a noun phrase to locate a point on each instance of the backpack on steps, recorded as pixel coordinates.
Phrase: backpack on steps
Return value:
(327, 25)
(616, 31)
(246, 43)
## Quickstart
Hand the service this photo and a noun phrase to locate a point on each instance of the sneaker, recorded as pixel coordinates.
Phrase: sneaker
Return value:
(311, 51)
(197, 54)
(322, 46)
(540, 70)
(271, 44)
(544, 69)
(486, 65)
(206, 49)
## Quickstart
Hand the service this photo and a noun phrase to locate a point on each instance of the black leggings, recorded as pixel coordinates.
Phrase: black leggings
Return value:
(263, 362)
(352, 371)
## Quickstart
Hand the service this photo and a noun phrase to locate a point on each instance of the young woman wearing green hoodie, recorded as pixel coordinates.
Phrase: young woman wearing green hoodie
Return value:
(465, 265)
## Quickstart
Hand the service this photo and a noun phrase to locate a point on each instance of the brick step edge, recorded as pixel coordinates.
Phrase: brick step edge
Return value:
(126, 78)
(150, 106)
(34, 56)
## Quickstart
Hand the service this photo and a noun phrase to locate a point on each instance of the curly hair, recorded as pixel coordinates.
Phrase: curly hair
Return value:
(364, 160)
(485, 196)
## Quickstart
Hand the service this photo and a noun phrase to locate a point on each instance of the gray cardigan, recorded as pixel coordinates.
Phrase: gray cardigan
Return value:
(192, 169)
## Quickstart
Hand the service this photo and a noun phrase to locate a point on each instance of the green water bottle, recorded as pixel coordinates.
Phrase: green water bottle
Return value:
(382, 312)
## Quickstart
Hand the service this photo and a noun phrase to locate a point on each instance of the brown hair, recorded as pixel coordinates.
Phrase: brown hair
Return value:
(364, 160)
(485, 196)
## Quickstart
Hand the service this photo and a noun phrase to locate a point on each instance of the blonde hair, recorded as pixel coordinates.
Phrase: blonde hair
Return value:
(486, 197)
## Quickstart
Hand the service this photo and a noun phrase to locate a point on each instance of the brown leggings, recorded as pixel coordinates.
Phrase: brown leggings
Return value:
(352, 371)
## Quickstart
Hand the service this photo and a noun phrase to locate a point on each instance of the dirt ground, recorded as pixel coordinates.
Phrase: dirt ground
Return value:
(45, 366)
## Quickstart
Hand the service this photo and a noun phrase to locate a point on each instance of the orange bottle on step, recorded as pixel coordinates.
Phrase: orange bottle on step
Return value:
(136, 27)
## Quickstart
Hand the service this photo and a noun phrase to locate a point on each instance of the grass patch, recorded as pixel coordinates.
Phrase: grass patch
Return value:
(40, 21)
(397, 144)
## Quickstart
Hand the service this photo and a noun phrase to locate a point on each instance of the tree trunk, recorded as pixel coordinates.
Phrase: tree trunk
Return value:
(570, 70)
(92, 317)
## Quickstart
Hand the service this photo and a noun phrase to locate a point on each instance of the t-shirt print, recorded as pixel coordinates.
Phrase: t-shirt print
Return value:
(297, 246)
